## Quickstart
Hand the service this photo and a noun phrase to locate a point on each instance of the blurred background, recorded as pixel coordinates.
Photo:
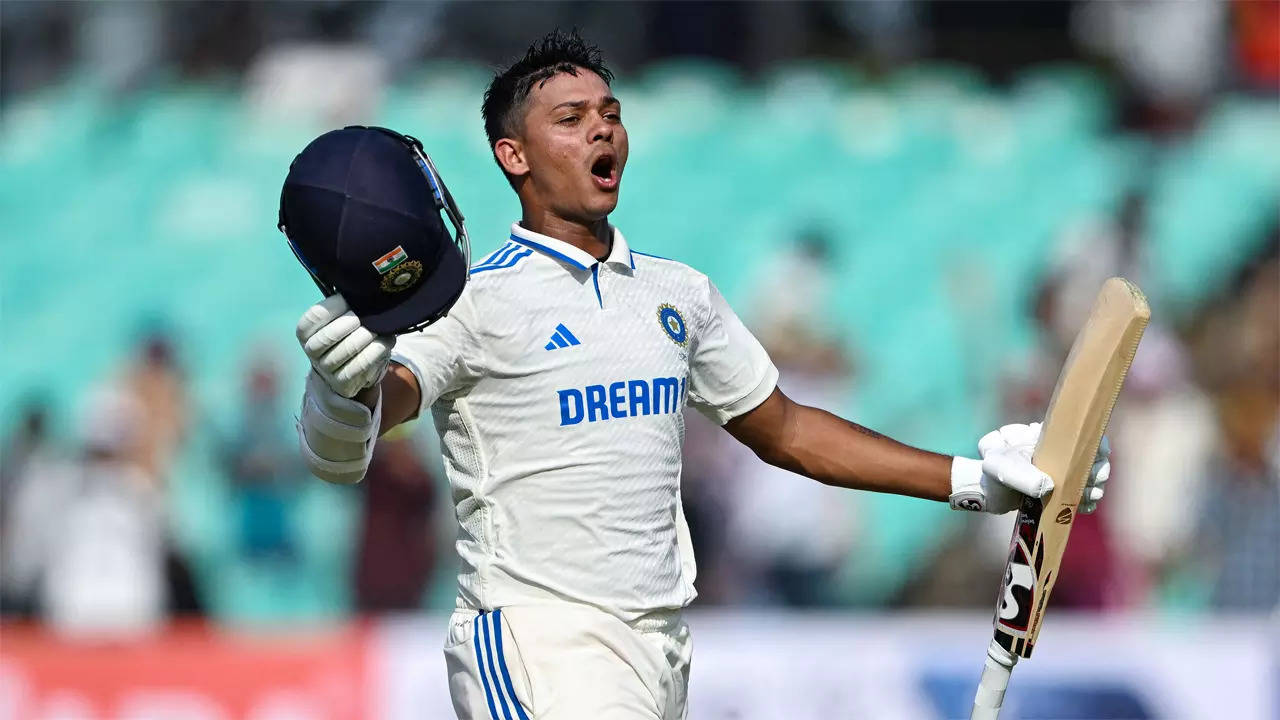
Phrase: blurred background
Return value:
(911, 204)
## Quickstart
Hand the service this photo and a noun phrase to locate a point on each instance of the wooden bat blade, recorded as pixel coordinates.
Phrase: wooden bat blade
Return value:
(1073, 427)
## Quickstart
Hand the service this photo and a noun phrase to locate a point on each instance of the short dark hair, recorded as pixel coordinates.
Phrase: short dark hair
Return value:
(556, 52)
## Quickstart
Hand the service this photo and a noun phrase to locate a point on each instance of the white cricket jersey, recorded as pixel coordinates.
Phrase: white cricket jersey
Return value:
(557, 383)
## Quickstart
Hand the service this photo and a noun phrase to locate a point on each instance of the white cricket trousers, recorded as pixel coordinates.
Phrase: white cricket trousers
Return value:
(566, 661)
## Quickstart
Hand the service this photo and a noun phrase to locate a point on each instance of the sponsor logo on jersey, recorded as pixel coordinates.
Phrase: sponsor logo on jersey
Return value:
(672, 323)
(621, 399)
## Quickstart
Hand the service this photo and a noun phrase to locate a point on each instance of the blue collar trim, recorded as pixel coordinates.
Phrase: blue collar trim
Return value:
(544, 249)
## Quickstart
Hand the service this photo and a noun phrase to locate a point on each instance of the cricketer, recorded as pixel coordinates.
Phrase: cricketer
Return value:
(558, 382)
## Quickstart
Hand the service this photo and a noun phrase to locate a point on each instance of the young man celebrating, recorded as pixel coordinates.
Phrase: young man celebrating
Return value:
(557, 383)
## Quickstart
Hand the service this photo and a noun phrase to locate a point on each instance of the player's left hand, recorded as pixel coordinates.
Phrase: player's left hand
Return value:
(998, 482)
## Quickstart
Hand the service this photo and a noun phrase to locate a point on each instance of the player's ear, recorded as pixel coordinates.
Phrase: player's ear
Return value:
(510, 155)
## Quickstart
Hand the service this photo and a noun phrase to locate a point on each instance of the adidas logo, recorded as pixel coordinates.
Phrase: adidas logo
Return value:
(562, 338)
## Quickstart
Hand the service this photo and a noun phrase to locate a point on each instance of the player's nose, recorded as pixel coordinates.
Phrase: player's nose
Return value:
(602, 131)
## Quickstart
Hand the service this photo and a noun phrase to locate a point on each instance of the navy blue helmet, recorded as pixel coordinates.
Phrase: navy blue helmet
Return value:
(362, 210)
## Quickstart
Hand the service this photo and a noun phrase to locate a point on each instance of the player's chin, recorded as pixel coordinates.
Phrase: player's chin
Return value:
(600, 203)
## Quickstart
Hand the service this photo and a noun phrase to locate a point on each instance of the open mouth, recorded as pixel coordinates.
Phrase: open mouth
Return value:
(605, 171)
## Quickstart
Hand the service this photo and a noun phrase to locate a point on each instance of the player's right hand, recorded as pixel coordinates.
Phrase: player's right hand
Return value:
(345, 354)
(997, 483)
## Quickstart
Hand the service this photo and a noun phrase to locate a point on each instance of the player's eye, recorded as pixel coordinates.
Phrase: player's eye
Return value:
(568, 120)
(613, 115)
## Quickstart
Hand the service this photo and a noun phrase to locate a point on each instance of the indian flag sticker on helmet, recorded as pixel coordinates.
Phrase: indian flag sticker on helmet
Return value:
(388, 262)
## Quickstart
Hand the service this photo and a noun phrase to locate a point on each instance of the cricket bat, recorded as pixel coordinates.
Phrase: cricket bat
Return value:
(1073, 428)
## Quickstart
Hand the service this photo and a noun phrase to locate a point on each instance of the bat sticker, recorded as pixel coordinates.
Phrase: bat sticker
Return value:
(1014, 606)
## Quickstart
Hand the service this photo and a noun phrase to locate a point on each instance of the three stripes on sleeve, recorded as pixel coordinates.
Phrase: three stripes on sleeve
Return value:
(505, 257)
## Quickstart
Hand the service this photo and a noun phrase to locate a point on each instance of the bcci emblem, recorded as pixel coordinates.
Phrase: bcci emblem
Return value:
(672, 323)
(397, 270)
(402, 277)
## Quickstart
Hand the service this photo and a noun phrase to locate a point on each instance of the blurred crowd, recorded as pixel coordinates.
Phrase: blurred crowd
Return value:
(1173, 53)
(87, 523)
(87, 528)
(90, 540)
(1188, 522)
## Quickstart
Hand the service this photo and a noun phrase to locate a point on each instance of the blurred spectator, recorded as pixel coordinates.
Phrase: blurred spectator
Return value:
(28, 442)
(1239, 527)
(23, 458)
(1238, 357)
(329, 85)
(35, 483)
(397, 548)
(103, 574)
(792, 291)
(1171, 53)
(157, 384)
(1162, 435)
(264, 467)
(792, 534)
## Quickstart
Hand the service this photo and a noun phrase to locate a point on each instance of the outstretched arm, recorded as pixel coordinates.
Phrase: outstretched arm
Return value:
(834, 451)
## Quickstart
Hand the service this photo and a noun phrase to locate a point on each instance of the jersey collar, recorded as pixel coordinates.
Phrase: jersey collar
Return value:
(619, 254)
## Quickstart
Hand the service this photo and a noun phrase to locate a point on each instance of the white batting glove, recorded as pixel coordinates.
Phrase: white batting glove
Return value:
(336, 434)
(1096, 487)
(347, 355)
(997, 483)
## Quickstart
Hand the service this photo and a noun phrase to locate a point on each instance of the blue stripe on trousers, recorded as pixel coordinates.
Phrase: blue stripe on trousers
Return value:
(484, 680)
(493, 672)
(502, 661)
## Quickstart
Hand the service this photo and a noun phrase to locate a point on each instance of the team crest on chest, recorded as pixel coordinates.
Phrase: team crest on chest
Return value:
(672, 323)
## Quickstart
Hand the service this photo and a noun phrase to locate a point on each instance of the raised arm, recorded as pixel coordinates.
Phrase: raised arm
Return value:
(401, 396)
(355, 391)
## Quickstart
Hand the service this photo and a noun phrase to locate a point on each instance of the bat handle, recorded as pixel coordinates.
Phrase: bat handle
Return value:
(995, 679)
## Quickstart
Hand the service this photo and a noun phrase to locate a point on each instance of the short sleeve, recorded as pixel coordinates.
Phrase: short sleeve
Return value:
(730, 372)
(444, 356)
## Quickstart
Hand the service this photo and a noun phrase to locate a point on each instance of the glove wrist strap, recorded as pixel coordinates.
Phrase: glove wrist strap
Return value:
(966, 485)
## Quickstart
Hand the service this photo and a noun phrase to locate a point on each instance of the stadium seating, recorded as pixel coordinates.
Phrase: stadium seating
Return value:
(161, 207)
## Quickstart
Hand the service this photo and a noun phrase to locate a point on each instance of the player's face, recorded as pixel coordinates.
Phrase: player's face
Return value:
(575, 145)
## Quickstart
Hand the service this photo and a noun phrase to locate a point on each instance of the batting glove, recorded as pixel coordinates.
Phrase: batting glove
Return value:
(347, 355)
(997, 483)
(336, 434)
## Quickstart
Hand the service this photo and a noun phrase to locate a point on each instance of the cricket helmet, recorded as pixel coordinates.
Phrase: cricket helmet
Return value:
(364, 210)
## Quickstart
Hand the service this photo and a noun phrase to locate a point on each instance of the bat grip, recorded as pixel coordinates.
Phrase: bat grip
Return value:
(995, 679)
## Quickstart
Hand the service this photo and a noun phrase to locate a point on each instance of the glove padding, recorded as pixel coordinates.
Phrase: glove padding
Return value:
(336, 434)
(347, 355)
(997, 483)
